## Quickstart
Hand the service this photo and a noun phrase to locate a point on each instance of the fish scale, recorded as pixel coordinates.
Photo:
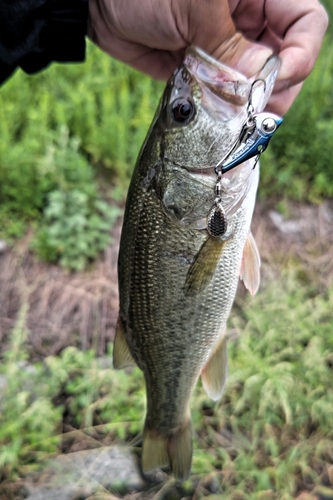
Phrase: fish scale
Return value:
(165, 319)
(176, 282)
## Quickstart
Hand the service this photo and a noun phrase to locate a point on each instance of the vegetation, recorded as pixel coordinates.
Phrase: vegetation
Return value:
(70, 137)
(297, 164)
(57, 125)
(270, 434)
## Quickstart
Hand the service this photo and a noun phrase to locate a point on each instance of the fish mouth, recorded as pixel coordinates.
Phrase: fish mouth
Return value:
(220, 82)
(225, 82)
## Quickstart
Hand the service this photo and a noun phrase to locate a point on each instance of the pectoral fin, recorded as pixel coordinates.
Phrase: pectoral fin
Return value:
(203, 268)
(214, 373)
(122, 358)
(250, 266)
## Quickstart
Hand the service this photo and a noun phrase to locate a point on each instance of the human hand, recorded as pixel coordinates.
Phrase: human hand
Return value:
(152, 36)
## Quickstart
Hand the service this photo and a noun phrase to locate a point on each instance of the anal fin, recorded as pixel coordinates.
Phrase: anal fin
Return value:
(250, 266)
(122, 358)
(214, 373)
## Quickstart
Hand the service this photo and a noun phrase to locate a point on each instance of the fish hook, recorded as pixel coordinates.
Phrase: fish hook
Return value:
(250, 108)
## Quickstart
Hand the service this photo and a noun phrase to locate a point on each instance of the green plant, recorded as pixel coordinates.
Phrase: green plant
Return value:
(271, 432)
(329, 8)
(30, 414)
(76, 229)
(297, 163)
(276, 415)
(29, 177)
(29, 423)
(55, 125)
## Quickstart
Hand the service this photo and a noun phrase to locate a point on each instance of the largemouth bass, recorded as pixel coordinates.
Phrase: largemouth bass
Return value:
(177, 283)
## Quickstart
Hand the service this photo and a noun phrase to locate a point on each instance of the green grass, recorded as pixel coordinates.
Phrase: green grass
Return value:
(328, 4)
(279, 397)
(59, 129)
(277, 406)
(297, 163)
(67, 124)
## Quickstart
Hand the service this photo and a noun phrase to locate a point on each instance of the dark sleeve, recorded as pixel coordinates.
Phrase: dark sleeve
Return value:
(34, 33)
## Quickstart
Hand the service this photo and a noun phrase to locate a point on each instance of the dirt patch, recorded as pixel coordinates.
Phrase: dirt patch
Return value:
(63, 308)
(304, 238)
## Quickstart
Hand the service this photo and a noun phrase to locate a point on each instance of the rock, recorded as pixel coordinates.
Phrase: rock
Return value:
(286, 226)
(83, 473)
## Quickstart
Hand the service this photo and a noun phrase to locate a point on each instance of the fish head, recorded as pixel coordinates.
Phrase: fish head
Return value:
(204, 107)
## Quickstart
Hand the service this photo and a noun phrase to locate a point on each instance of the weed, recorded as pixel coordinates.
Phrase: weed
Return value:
(28, 420)
(76, 229)
(271, 432)
(56, 124)
(297, 164)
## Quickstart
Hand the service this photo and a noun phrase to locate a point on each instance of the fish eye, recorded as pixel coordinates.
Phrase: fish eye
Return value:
(183, 110)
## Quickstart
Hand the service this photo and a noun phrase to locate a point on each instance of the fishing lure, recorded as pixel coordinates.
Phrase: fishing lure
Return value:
(253, 140)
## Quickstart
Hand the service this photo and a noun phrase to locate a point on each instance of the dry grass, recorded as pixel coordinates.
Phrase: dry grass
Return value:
(81, 308)
(64, 308)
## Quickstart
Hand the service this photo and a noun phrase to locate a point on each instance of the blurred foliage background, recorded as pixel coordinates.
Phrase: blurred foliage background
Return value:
(69, 140)
(70, 137)
(70, 128)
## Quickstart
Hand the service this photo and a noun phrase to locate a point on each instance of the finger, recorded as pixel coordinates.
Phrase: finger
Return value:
(211, 27)
(302, 26)
(205, 24)
(280, 102)
(270, 39)
(248, 17)
(159, 64)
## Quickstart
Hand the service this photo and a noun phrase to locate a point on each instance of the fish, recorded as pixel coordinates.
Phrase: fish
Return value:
(177, 282)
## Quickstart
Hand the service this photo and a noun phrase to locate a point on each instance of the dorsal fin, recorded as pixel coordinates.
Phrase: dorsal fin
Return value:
(250, 266)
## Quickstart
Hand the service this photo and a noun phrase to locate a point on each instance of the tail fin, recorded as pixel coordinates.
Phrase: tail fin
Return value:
(173, 449)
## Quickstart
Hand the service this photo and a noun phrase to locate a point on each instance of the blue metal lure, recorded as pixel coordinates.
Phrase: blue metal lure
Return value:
(254, 139)
(252, 142)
